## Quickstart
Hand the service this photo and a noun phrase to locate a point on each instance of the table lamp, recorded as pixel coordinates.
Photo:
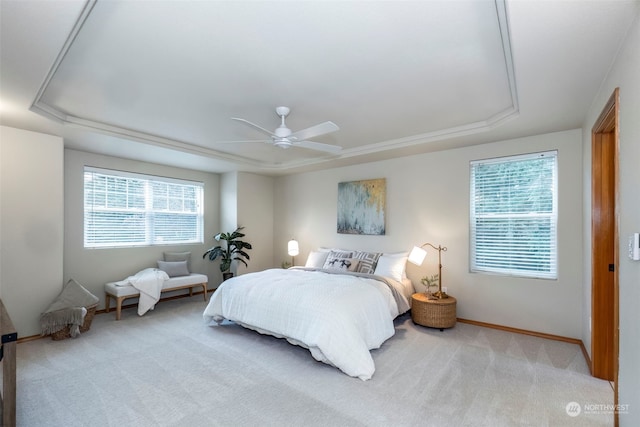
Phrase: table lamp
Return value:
(417, 257)
(293, 249)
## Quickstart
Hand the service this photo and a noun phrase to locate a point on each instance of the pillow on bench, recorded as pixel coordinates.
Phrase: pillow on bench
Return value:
(174, 268)
(178, 256)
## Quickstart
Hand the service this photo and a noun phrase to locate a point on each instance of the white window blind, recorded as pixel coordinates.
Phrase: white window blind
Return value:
(514, 215)
(126, 209)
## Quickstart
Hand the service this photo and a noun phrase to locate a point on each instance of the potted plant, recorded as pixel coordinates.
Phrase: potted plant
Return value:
(232, 249)
(285, 264)
(428, 282)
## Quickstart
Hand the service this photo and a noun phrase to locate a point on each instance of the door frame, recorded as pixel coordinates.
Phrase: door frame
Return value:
(604, 243)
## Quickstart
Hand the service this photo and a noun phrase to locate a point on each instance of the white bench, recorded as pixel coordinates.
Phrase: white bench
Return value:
(120, 293)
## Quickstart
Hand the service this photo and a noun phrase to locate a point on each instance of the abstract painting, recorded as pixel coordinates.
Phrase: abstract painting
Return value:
(361, 206)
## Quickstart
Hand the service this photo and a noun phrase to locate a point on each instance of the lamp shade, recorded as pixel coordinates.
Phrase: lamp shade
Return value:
(292, 248)
(417, 255)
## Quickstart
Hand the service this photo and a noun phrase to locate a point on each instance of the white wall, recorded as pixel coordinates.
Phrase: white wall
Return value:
(624, 74)
(228, 202)
(428, 201)
(94, 267)
(31, 224)
(247, 201)
(255, 213)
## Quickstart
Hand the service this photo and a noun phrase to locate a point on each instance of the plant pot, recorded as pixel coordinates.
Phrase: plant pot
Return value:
(227, 275)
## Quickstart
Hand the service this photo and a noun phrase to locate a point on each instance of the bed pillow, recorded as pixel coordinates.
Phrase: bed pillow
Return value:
(174, 268)
(347, 251)
(179, 256)
(324, 249)
(347, 264)
(316, 259)
(336, 254)
(368, 261)
(392, 266)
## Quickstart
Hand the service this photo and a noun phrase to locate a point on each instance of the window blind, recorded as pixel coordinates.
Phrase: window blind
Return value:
(513, 215)
(126, 209)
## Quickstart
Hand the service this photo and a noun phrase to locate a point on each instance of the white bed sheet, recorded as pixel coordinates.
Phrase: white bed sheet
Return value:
(338, 317)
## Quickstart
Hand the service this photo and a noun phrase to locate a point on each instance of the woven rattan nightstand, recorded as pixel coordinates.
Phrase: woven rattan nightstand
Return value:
(435, 313)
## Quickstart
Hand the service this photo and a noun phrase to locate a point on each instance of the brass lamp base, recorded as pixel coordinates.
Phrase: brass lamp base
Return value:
(440, 295)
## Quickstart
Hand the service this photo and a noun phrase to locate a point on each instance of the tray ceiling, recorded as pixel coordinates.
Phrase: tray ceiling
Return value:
(159, 81)
(389, 74)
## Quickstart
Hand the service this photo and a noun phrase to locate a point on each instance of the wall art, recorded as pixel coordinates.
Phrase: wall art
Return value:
(361, 206)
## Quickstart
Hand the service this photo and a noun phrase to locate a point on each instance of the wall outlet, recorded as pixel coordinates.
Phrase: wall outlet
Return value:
(444, 289)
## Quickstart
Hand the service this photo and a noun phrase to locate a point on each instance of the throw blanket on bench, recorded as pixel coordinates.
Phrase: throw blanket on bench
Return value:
(149, 282)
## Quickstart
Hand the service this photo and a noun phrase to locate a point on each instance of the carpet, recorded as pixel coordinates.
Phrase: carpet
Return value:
(168, 368)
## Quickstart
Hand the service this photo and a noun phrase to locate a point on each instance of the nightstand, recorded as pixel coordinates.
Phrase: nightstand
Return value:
(434, 313)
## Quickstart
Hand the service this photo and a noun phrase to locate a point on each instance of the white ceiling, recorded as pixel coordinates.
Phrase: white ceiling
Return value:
(159, 81)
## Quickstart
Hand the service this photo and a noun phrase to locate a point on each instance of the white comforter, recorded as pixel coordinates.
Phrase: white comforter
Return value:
(338, 317)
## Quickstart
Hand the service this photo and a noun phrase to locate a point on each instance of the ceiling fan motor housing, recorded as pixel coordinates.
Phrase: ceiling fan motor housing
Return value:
(282, 132)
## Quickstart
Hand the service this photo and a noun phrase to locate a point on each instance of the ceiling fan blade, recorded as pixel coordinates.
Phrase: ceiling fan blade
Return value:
(318, 146)
(313, 131)
(241, 142)
(255, 126)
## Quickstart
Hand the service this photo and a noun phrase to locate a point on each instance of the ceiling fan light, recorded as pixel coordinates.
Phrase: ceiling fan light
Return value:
(282, 143)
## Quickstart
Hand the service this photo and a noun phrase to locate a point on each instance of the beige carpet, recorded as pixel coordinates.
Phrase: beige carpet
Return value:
(168, 368)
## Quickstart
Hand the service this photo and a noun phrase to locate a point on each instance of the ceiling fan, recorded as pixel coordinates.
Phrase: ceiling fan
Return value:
(284, 137)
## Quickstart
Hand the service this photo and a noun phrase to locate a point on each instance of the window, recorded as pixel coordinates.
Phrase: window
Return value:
(514, 215)
(126, 209)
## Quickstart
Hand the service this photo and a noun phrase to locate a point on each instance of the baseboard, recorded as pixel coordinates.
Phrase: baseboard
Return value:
(586, 357)
(30, 338)
(535, 334)
(522, 331)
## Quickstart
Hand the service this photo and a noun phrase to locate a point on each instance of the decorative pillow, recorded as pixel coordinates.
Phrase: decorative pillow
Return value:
(368, 261)
(336, 254)
(179, 256)
(316, 259)
(336, 263)
(392, 266)
(174, 268)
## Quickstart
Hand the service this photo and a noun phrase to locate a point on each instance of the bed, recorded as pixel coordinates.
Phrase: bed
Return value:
(340, 305)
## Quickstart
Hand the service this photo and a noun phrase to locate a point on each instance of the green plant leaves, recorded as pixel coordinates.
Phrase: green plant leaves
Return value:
(233, 249)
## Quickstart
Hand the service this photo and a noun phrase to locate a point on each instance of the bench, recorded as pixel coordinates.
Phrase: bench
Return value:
(120, 293)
